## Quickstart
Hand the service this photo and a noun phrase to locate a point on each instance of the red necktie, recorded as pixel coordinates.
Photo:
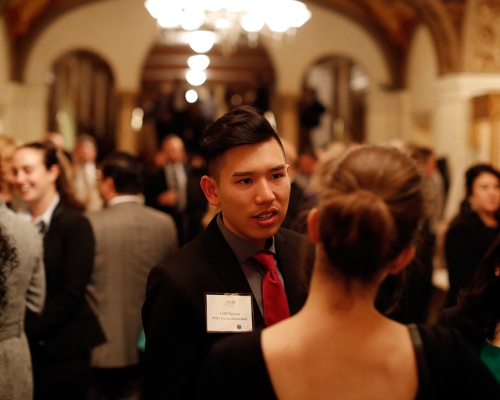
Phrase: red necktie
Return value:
(273, 294)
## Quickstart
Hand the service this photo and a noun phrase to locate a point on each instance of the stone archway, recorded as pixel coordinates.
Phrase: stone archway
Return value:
(392, 23)
(245, 76)
(82, 99)
(334, 103)
(445, 35)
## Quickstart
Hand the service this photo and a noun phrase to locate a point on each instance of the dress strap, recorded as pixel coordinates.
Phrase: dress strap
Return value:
(426, 389)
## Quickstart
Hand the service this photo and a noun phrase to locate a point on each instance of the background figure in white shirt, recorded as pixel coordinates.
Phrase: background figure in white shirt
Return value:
(85, 172)
(175, 189)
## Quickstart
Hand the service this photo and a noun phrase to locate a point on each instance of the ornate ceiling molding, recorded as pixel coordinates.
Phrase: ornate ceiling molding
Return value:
(390, 22)
(482, 37)
(434, 14)
(26, 19)
(392, 40)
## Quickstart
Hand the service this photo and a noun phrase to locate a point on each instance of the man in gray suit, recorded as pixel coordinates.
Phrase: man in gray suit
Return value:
(130, 239)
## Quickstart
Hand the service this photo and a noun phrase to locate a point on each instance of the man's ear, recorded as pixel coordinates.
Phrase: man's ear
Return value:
(313, 225)
(110, 183)
(209, 187)
(54, 172)
(402, 260)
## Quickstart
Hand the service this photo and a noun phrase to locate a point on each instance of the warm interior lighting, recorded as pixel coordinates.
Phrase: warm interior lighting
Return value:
(196, 78)
(199, 62)
(191, 96)
(137, 118)
(229, 19)
(202, 41)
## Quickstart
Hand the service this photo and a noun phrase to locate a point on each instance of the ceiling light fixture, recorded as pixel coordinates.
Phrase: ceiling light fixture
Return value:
(227, 20)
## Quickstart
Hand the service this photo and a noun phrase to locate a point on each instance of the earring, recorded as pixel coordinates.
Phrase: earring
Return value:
(497, 271)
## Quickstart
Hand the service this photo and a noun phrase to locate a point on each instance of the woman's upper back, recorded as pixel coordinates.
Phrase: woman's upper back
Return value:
(373, 360)
(236, 365)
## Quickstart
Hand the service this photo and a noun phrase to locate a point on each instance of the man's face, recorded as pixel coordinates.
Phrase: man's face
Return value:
(86, 152)
(32, 178)
(252, 190)
(173, 150)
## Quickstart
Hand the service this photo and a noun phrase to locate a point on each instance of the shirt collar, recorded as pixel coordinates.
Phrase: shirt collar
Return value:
(46, 217)
(241, 248)
(125, 198)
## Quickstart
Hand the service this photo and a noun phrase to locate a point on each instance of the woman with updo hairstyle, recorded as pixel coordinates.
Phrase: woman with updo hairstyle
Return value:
(62, 336)
(339, 346)
(474, 229)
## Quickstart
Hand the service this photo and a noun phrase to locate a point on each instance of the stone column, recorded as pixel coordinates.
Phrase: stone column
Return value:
(452, 126)
(126, 137)
(286, 107)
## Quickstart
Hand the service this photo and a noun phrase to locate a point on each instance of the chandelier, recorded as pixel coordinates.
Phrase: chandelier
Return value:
(207, 22)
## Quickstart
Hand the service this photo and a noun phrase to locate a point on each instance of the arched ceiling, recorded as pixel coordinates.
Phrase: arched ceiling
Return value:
(390, 22)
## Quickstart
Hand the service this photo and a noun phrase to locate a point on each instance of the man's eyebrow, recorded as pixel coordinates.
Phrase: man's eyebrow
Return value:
(280, 167)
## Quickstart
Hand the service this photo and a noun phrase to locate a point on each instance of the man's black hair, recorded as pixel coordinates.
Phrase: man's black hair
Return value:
(126, 171)
(241, 126)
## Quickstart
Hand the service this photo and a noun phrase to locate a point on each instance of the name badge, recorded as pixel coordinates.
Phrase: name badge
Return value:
(229, 312)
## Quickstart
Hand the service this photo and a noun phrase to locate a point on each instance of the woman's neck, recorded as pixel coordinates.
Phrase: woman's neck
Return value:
(330, 294)
(38, 207)
(488, 219)
(496, 339)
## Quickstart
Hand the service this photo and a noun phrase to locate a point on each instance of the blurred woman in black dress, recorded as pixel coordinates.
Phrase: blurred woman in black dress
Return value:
(474, 229)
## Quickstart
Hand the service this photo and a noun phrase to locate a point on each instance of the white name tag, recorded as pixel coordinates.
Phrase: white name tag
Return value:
(229, 312)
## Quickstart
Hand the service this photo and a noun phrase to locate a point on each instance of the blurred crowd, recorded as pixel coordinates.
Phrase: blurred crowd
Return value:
(78, 237)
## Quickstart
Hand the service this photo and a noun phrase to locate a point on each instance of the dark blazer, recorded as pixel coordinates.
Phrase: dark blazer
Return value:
(174, 311)
(67, 326)
(188, 223)
(295, 204)
(454, 318)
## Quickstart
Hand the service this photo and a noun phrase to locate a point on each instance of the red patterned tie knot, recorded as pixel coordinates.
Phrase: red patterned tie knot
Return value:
(265, 259)
(273, 294)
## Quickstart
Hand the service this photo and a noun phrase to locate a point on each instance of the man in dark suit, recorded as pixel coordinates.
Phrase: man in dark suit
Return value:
(174, 189)
(247, 178)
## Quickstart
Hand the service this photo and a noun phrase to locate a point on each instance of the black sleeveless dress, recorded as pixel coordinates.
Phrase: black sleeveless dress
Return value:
(448, 369)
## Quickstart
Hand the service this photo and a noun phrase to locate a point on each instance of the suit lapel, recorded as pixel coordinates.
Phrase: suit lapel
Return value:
(227, 267)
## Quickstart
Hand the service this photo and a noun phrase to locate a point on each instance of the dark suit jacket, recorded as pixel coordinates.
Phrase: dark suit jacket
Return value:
(67, 326)
(295, 204)
(454, 318)
(188, 223)
(174, 311)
